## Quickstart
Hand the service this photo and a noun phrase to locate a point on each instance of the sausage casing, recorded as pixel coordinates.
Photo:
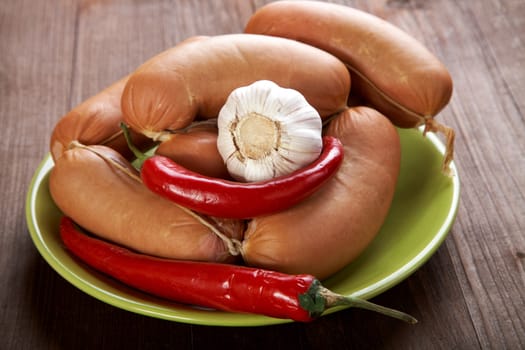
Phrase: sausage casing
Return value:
(328, 230)
(99, 190)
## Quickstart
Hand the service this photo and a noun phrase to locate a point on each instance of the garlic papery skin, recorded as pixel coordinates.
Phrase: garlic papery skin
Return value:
(267, 131)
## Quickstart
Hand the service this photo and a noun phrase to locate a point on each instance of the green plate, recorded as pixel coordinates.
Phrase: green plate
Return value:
(423, 210)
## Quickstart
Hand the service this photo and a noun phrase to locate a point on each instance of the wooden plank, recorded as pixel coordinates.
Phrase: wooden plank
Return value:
(115, 37)
(36, 51)
(36, 44)
(485, 115)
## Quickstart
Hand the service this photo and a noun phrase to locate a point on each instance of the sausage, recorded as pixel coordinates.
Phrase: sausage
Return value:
(390, 69)
(97, 121)
(397, 73)
(101, 192)
(331, 228)
(173, 88)
(196, 150)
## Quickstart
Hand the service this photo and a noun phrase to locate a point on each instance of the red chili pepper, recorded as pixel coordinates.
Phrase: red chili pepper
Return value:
(220, 286)
(230, 199)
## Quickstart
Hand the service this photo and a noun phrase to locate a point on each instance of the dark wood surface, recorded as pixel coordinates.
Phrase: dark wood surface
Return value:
(469, 295)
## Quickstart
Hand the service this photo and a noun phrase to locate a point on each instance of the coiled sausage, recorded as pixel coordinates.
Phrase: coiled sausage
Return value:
(328, 230)
(173, 88)
(390, 69)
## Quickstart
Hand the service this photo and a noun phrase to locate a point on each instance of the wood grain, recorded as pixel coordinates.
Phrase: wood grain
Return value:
(469, 295)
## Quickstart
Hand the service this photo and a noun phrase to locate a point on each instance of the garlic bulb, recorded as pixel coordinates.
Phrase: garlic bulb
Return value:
(267, 131)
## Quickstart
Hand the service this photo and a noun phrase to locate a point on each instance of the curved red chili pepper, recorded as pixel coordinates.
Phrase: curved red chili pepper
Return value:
(219, 286)
(230, 199)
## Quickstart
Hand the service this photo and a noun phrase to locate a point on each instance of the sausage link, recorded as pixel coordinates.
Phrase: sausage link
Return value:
(196, 150)
(101, 192)
(173, 88)
(331, 228)
(96, 121)
(391, 70)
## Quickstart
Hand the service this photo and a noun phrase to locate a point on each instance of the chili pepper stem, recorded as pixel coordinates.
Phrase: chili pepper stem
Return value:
(333, 299)
(141, 156)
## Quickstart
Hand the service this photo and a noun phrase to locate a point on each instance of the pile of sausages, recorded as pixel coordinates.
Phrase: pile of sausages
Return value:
(363, 75)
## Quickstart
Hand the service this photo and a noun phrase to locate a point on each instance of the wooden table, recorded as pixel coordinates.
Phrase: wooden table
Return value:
(470, 294)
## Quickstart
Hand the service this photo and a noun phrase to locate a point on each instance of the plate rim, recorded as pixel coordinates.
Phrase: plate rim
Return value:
(178, 315)
(425, 254)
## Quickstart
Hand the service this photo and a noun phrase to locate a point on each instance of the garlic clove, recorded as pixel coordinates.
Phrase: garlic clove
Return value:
(267, 131)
